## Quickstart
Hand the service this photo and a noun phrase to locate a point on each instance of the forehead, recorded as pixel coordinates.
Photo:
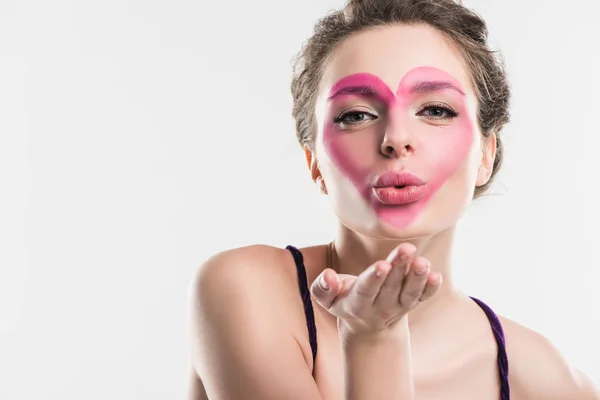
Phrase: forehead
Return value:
(391, 51)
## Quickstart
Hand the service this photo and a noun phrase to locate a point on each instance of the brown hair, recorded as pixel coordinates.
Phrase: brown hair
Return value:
(464, 27)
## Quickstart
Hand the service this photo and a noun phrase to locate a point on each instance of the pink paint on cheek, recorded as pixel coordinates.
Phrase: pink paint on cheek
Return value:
(352, 152)
(438, 150)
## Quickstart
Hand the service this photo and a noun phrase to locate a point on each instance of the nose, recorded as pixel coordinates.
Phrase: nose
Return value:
(397, 143)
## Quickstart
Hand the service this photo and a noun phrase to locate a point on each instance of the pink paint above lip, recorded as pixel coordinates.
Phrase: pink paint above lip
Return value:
(395, 178)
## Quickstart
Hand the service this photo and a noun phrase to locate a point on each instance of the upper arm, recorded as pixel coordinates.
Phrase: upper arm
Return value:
(195, 388)
(587, 389)
(553, 378)
(539, 371)
(241, 346)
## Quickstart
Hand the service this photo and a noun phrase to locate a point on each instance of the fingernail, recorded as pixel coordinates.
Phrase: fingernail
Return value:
(420, 269)
(323, 284)
(391, 256)
(377, 272)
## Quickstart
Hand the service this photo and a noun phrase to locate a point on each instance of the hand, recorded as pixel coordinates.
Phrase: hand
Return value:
(377, 299)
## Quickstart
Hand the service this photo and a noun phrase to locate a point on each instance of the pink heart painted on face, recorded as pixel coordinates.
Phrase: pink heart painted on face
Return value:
(436, 147)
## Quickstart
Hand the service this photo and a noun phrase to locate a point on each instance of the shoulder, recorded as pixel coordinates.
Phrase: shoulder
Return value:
(251, 275)
(250, 264)
(537, 369)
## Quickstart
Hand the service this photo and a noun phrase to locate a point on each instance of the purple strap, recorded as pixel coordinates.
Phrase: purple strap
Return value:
(500, 340)
(305, 293)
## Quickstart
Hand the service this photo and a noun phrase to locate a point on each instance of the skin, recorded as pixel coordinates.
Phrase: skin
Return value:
(437, 140)
(236, 353)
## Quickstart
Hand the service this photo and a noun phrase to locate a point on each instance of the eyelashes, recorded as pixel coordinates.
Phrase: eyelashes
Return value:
(436, 112)
(439, 107)
(353, 117)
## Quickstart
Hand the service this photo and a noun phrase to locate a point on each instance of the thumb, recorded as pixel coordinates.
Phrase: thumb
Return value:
(325, 288)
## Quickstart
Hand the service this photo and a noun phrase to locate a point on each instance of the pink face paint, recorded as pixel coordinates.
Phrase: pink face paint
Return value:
(438, 147)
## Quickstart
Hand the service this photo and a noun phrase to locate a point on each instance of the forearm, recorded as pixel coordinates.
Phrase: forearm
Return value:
(378, 367)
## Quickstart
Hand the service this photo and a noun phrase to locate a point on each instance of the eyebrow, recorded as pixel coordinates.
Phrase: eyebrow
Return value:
(363, 91)
(433, 86)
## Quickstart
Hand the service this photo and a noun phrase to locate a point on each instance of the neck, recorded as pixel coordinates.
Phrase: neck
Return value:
(354, 253)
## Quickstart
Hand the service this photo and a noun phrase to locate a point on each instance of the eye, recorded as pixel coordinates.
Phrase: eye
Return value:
(353, 118)
(437, 112)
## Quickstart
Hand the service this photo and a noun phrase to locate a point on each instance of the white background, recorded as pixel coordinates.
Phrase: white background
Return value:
(137, 138)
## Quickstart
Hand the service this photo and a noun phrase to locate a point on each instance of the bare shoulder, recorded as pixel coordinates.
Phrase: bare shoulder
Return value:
(246, 323)
(249, 284)
(539, 371)
(250, 265)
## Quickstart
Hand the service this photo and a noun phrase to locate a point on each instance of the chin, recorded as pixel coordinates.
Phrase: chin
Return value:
(436, 217)
(413, 222)
(421, 228)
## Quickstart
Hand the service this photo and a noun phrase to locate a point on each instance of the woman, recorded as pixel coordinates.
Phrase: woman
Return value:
(398, 105)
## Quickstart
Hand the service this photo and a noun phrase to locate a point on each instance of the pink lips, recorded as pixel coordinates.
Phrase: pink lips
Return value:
(398, 188)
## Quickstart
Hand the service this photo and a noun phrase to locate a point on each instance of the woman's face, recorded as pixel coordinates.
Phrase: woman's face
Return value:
(398, 145)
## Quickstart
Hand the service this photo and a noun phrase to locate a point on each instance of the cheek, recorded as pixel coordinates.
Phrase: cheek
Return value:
(352, 153)
(444, 149)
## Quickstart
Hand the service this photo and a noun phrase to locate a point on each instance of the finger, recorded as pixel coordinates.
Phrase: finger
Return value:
(399, 259)
(434, 282)
(325, 288)
(368, 284)
(415, 283)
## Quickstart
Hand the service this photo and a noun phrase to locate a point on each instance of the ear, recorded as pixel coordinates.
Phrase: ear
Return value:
(315, 172)
(487, 159)
(313, 165)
